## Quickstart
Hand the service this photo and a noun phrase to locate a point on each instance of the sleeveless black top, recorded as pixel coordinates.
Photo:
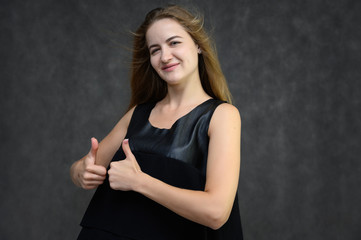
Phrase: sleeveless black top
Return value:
(176, 156)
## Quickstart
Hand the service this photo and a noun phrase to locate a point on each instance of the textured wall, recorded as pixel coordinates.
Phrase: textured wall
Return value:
(293, 70)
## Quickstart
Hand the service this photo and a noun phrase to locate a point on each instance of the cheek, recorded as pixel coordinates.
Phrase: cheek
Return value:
(191, 54)
(153, 62)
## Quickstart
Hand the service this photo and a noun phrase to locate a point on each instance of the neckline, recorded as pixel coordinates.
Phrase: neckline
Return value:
(180, 118)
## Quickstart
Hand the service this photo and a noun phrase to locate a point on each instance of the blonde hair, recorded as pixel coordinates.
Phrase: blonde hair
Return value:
(146, 85)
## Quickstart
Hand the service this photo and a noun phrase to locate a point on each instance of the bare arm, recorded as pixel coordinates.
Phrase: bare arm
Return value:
(90, 171)
(210, 207)
(111, 143)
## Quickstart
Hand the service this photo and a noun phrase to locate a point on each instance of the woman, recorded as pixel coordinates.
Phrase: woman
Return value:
(173, 160)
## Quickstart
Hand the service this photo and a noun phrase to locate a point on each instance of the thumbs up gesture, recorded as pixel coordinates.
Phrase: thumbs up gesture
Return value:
(123, 174)
(91, 175)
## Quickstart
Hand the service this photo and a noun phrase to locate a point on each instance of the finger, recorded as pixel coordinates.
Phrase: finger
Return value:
(92, 177)
(126, 148)
(97, 169)
(112, 169)
(91, 186)
(93, 182)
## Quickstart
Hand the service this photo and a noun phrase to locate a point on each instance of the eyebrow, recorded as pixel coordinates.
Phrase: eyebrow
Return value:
(168, 40)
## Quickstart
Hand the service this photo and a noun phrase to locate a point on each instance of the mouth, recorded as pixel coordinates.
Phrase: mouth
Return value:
(170, 67)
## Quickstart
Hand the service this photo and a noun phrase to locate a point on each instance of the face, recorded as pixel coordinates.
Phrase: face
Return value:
(173, 53)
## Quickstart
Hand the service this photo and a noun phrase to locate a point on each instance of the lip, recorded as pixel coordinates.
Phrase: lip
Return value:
(170, 67)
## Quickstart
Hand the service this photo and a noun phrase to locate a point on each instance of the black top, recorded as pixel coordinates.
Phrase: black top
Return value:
(176, 156)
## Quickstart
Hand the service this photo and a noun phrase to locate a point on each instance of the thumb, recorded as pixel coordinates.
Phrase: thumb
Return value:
(129, 155)
(93, 149)
(126, 148)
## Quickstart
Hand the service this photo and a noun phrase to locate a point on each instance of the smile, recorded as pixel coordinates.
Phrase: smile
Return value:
(170, 67)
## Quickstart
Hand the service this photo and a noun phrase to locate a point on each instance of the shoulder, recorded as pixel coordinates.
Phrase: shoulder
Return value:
(225, 116)
(226, 111)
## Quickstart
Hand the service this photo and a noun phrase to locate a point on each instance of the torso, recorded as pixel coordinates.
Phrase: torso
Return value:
(176, 155)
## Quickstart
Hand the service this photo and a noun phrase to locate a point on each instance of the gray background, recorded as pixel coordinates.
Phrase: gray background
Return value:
(293, 68)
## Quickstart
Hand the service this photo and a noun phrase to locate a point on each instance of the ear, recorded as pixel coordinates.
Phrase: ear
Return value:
(198, 48)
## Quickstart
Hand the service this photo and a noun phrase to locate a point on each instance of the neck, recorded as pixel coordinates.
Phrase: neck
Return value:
(186, 94)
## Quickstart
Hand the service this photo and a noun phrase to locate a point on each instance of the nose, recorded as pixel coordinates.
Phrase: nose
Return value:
(166, 55)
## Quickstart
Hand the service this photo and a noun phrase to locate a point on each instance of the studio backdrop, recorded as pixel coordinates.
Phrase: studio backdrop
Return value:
(293, 68)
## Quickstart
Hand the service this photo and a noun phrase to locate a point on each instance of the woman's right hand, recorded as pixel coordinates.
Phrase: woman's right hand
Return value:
(85, 173)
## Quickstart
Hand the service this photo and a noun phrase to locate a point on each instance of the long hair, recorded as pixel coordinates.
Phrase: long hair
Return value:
(146, 85)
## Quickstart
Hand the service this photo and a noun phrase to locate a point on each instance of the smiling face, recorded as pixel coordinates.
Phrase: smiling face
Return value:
(173, 53)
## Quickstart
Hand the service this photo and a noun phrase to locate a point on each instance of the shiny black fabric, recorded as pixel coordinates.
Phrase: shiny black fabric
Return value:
(177, 156)
(186, 140)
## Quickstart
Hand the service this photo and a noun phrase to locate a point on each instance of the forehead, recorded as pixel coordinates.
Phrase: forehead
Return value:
(162, 29)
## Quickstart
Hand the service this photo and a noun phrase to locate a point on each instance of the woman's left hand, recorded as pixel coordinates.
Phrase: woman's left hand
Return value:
(123, 174)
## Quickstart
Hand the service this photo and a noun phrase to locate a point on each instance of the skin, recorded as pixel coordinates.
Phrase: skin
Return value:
(174, 55)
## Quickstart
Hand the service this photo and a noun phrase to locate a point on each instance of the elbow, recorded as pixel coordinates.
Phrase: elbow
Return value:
(217, 223)
(218, 218)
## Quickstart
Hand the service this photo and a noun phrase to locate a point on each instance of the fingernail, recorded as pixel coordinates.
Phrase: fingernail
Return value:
(126, 141)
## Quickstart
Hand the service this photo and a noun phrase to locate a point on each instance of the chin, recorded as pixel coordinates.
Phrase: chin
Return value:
(172, 81)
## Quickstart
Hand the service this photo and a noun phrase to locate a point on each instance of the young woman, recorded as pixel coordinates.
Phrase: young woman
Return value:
(169, 169)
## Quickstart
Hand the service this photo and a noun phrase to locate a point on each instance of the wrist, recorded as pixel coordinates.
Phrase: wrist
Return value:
(140, 184)
(74, 172)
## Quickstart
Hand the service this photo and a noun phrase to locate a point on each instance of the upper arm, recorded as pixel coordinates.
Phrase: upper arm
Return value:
(224, 155)
(112, 142)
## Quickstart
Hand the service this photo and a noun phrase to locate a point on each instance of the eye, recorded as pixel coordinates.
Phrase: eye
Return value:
(174, 43)
(154, 51)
